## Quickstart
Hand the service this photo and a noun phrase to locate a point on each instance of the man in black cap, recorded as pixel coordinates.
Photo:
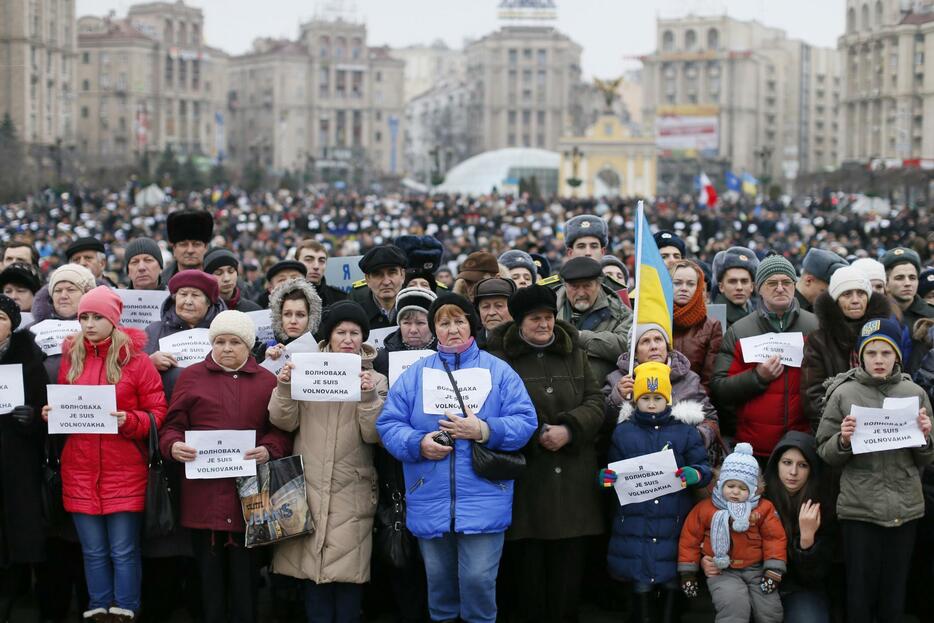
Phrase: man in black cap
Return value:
(20, 282)
(902, 267)
(384, 272)
(314, 256)
(90, 253)
(601, 318)
(491, 298)
(816, 269)
(189, 232)
(671, 248)
(279, 273)
(144, 264)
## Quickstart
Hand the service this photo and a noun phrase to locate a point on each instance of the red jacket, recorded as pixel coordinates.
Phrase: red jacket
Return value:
(105, 474)
(206, 397)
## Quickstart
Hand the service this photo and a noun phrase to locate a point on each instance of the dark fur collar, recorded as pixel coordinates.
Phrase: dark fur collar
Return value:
(514, 346)
(841, 330)
(22, 348)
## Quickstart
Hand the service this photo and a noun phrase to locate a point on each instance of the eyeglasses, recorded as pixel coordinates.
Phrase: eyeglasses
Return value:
(774, 284)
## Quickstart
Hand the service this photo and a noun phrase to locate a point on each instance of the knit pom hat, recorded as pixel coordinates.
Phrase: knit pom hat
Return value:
(103, 302)
(774, 265)
(885, 329)
(233, 322)
(652, 378)
(76, 274)
(741, 465)
(9, 307)
(846, 279)
(417, 299)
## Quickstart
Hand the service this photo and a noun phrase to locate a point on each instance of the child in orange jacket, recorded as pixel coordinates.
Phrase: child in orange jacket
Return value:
(740, 539)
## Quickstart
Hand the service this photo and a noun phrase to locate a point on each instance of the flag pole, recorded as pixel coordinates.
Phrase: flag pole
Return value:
(640, 218)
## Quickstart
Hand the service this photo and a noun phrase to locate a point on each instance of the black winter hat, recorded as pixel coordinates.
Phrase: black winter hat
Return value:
(670, 239)
(219, 257)
(9, 307)
(84, 244)
(925, 282)
(449, 298)
(20, 274)
(349, 311)
(542, 265)
(381, 257)
(533, 298)
(424, 253)
(190, 225)
(278, 267)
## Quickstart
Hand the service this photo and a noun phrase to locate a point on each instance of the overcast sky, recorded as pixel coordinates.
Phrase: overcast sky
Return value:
(612, 32)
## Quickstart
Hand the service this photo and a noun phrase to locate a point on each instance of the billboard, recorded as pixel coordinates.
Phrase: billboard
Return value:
(698, 134)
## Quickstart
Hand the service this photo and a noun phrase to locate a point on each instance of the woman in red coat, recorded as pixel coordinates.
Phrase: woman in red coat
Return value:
(104, 476)
(226, 391)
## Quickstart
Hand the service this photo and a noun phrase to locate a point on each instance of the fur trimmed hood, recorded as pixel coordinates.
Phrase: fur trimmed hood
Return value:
(276, 300)
(687, 411)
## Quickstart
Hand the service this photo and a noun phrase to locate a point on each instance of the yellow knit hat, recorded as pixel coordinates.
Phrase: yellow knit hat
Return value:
(652, 378)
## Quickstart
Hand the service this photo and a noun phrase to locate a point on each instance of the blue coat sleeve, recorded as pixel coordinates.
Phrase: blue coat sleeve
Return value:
(695, 455)
(394, 423)
(516, 422)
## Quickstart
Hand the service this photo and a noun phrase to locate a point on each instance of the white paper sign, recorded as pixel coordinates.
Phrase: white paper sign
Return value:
(342, 272)
(402, 360)
(788, 346)
(262, 320)
(51, 333)
(304, 344)
(26, 319)
(188, 347)
(438, 395)
(12, 393)
(326, 377)
(378, 336)
(892, 427)
(141, 307)
(646, 477)
(220, 454)
(82, 409)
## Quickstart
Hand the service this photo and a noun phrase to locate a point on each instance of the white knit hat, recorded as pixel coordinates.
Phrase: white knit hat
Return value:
(73, 273)
(232, 322)
(848, 278)
(871, 268)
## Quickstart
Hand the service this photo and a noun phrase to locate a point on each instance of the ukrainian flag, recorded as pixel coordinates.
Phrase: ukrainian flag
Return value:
(654, 292)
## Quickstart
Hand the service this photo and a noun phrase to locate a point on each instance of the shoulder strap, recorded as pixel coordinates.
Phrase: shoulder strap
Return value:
(457, 391)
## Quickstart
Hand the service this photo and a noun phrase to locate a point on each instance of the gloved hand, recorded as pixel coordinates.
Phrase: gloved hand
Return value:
(770, 581)
(688, 475)
(606, 478)
(23, 414)
(689, 585)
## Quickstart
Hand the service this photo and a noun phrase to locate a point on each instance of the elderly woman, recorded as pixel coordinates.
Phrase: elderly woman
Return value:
(226, 391)
(841, 311)
(335, 440)
(697, 335)
(459, 517)
(412, 306)
(67, 285)
(194, 302)
(295, 310)
(555, 504)
(652, 345)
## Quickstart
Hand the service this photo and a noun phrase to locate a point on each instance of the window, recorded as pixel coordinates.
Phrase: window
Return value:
(85, 85)
(690, 40)
(195, 34)
(195, 73)
(85, 58)
(357, 128)
(324, 132)
(668, 41)
(512, 117)
(713, 39)
(379, 76)
(324, 46)
(513, 56)
(527, 54)
(182, 73)
(378, 136)
(540, 118)
(169, 70)
(526, 117)
(542, 58)
(324, 81)
(341, 83)
(84, 112)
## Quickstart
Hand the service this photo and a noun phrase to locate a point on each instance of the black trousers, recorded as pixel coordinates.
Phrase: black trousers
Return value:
(546, 579)
(877, 564)
(60, 577)
(228, 576)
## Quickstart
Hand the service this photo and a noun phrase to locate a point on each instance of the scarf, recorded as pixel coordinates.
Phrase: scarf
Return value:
(234, 300)
(720, 526)
(456, 350)
(694, 311)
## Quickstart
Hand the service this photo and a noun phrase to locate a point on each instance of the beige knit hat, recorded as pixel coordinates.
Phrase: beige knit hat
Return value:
(232, 322)
(73, 273)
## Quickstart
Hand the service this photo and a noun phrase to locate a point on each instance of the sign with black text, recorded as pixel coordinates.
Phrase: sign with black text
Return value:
(141, 307)
(220, 453)
(188, 347)
(11, 387)
(82, 409)
(51, 333)
(646, 477)
(326, 377)
(438, 395)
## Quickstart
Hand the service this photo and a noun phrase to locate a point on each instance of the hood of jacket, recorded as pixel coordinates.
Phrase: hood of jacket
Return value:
(686, 411)
(311, 297)
(804, 442)
(508, 339)
(680, 365)
(841, 330)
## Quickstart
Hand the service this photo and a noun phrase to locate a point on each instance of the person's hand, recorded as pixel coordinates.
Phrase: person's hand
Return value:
(45, 413)
(770, 581)
(709, 567)
(121, 417)
(163, 361)
(554, 438)
(23, 415)
(689, 585)
(259, 454)
(432, 450)
(606, 478)
(688, 475)
(924, 422)
(183, 453)
(624, 386)
(847, 428)
(808, 523)
(467, 427)
(285, 374)
(770, 369)
(366, 381)
(274, 352)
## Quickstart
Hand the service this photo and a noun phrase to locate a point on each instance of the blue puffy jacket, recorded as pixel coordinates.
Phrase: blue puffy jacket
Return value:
(644, 541)
(448, 493)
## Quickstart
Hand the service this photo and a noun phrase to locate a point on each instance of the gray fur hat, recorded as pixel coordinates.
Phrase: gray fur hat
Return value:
(278, 296)
(586, 225)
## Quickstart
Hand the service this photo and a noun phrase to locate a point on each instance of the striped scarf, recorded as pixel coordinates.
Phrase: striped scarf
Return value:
(720, 526)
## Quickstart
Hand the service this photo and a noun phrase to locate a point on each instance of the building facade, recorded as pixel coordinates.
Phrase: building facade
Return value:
(427, 66)
(436, 130)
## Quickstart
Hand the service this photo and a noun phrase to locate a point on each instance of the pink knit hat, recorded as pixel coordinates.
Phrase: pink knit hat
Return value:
(103, 302)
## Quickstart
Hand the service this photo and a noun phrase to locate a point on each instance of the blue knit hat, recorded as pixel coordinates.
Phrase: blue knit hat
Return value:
(885, 329)
(741, 465)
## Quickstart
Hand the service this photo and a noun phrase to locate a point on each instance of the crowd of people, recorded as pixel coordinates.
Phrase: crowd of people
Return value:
(497, 506)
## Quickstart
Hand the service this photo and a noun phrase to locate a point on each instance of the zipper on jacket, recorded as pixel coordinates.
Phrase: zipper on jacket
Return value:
(418, 483)
(785, 403)
(453, 472)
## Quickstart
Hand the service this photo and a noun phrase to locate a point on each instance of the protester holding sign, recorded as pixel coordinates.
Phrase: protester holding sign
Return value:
(104, 476)
(60, 302)
(459, 517)
(194, 302)
(335, 440)
(644, 543)
(226, 391)
(295, 309)
(880, 497)
(555, 506)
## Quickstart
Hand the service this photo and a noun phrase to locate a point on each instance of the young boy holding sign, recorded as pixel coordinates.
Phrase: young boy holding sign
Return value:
(644, 542)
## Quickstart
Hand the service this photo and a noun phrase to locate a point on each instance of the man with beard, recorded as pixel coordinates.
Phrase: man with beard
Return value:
(189, 232)
(901, 272)
(384, 271)
(600, 317)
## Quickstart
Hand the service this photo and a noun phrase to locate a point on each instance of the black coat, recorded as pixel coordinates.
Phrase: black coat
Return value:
(329, 295)
(378, 320)
(21, 455)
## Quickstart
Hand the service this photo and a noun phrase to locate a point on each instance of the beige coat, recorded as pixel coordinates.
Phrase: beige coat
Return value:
(334, 440)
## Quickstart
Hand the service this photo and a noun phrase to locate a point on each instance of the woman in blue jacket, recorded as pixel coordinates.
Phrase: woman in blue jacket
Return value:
(458, 516)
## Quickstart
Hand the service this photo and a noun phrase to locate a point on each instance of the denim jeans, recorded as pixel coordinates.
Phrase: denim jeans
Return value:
(461, 570)
(806, 607)
(112, 563)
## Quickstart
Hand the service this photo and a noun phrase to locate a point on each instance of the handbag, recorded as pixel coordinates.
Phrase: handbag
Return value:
(395, 545)
(53, 507)
(274, 502)
(159, 513)
(488, 463)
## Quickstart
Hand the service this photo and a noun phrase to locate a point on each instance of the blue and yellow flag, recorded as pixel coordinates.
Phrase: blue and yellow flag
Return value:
(654, 293)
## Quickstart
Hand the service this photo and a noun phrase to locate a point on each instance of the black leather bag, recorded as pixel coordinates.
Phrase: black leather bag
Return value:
(488, 463)
(159, 514)
(53, 507)
(395, 545)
